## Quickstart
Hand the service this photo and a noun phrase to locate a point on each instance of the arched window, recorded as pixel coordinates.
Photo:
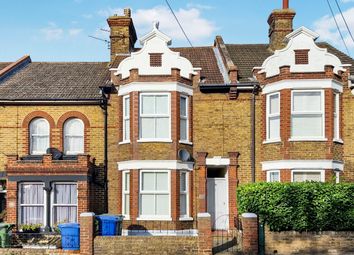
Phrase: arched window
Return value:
(39, 136)
(73, 137)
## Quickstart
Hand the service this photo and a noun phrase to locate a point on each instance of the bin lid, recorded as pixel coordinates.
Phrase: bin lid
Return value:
(110, 217)
(69, 225)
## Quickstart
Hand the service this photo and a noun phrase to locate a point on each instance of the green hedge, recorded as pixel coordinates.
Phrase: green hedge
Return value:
(307, 206)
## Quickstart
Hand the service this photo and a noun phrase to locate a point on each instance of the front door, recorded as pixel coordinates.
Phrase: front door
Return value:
(217, 199)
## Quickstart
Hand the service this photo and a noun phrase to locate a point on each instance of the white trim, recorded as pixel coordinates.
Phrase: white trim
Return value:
(272, 141)
(302, 164)
(125, 118)
(154, 140)
(322, 172)
(270, 116)
(155, 193)
(87, 214)
(155, 87)
(303, 84)
(336, 112)
(249, 215)
(204, 215)
(338, 141)
(185, 218)
(303, 30)
(321, 113)
(155, 164)
(186, 117)
(185, 142)
(217, 161)
(186, 193)
(273, 171)
(124, 193)
(124, 142)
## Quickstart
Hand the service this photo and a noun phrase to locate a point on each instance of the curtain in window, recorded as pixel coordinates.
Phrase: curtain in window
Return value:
(183, 119)
(73, 136)
(39, 136)
(31, 204)
(64, 203)
(306, 176)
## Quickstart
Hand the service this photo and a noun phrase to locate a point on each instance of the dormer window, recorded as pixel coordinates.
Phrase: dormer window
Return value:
(155, 117)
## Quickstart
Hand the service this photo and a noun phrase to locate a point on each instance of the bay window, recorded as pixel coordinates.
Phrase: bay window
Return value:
(39, 136)
(155, 116)
(154, 194)
(73, 136)
(336, 116)
(64, 203)
(273, 117)
(273, 176)
(126, 193)
(31, 203)
(184, 197)
(126, 118)
(184, 118)
(307, 115)
(307, 175)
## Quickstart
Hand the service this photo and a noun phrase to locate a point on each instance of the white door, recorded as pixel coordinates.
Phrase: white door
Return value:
(218, 203)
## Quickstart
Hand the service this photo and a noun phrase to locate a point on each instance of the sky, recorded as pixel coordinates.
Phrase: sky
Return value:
(59, 30)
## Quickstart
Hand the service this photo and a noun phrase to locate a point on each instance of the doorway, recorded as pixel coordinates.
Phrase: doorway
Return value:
(218, 198)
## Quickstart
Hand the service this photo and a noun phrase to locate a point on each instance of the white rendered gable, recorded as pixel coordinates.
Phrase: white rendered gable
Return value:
(155, 42)
(301, 39)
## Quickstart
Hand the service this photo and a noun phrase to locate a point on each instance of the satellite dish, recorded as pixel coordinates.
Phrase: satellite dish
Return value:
(184, 155)
(56, 154)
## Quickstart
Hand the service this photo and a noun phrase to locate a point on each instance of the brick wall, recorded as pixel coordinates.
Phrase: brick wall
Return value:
(21, 251)
(291, 242)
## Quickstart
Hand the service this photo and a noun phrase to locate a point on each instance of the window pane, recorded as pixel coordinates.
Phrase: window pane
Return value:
(183, 182)
(183, 106)
(274, 177)
(183, 129)
(162, 128)
(162, 181)
(147, 128)
(126, 181)
(148, 181)
(39, 144)
(162, 104)
(148, 204)
(63, 214)
(126, 204)
(73, 136)
(274, 128)
(32, 215)
(39, 127)
(148, 104)
(274, 104)
(32, 194)
(307, 101)
(65, 194)
(162, 205)
(126, 129)
(307, 126)
(183, 204)
(306, 176)
(126, 107)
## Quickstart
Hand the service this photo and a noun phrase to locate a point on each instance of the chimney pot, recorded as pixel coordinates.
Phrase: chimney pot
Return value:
(127, 12)
(285, 4)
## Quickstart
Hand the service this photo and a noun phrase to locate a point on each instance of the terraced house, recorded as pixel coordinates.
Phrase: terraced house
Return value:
(173, 131)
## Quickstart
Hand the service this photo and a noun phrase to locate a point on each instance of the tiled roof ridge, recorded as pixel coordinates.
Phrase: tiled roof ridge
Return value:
(11, 67)
(70, 62)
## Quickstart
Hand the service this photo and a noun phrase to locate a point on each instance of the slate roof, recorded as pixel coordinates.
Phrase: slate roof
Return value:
(4, 64)
(248, 56)
(202, 57)
(55, 81)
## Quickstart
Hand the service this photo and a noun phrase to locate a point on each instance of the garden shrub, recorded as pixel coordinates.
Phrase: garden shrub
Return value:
(307, 206)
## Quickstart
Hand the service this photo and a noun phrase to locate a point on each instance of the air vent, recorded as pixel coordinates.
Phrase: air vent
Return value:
(155, 59)
(301, 57)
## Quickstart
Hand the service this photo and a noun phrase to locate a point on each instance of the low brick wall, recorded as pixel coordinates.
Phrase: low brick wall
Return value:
(18, 251)
(291, 242)
(136, 245)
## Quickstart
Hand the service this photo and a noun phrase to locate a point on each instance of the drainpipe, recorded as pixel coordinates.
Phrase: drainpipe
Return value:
(253, 132)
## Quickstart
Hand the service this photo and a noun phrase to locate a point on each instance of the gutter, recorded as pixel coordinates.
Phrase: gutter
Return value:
(252, 87)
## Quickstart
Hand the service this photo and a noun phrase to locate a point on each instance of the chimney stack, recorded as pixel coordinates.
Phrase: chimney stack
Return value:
(123, 35)
(280, 24)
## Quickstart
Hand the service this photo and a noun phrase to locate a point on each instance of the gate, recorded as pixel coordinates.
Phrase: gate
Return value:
(224, 241)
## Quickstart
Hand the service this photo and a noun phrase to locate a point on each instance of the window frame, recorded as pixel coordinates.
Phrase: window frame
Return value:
(322, 113)
(44, 205)
(126, 118)
(125, 192)
(186, 193)
(52, 205)
(269, 116)
(31, 151)
(68, 152)
(273, 171)
(166, 217)
(186, 117)
(168, 139)
(322, 173)
(336, 117)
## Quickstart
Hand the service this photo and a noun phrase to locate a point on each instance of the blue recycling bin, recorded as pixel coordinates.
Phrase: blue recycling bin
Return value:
(70, 236)
(110, 225)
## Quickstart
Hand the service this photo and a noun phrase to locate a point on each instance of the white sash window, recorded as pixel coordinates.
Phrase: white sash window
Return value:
(184, 118)
(64, 203)
(31, 203)
(273, 117)
(39, 136)
(73, 137)
(126, 118)
(126, 193)
(184, 196)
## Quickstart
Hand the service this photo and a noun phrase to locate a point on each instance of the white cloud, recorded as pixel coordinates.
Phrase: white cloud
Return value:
(52, 32)
(196, 27)
(327, 28)
(74, 31)
(201, 6)
(347, 1)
